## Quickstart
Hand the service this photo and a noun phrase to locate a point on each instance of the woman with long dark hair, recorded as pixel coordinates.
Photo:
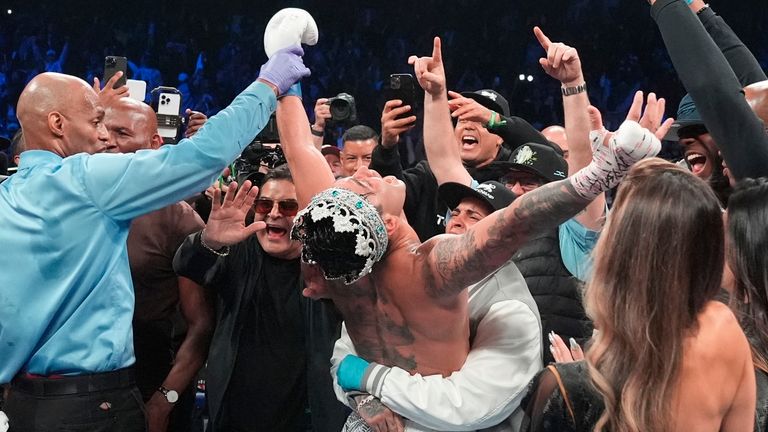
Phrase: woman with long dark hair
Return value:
(665, 356)
(747, 277)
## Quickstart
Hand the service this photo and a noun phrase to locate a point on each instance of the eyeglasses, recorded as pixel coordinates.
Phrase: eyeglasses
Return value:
(287, 207)
(527, 183)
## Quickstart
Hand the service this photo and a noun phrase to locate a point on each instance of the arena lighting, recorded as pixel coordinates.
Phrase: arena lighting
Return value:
(530, 78)
(522, 77)
(9, 11)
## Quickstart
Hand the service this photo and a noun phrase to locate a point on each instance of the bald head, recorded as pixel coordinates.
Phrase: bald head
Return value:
(556, 134)
(757, 97)
(132, 126)
(62, 114)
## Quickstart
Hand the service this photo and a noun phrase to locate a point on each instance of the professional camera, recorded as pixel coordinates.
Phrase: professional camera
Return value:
(263, 152)
(343, 110)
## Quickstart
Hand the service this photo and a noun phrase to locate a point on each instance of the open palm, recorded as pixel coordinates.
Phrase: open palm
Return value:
(226, 223)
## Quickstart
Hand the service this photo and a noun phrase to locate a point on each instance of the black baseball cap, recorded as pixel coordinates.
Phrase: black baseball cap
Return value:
(539, 159)
(687, 115)
(493, 193)
(490, 99)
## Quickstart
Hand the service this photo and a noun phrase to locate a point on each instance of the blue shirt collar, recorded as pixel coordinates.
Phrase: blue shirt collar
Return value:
(32, 158)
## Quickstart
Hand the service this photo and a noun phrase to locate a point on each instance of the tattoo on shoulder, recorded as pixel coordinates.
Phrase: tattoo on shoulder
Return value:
(463, 260)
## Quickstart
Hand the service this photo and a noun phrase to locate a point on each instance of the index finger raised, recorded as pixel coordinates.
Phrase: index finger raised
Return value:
(542, 38)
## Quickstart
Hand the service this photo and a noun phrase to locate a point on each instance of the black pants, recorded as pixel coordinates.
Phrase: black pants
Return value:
(74, 404)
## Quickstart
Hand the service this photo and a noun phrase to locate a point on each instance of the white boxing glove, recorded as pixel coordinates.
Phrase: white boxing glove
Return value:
(290, 26)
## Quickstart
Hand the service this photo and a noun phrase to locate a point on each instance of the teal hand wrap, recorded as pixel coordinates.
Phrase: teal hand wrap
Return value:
(351, 372)
(294, 90)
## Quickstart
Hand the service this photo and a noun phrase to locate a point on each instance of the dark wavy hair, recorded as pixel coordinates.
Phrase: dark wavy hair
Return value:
(658, 262)
(748, 259)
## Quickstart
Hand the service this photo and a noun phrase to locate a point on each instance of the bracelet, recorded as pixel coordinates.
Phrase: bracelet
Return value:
(368, 399)
(213, 251)
(570, 91)
(316, 132)
(492, 122)
(703, 8)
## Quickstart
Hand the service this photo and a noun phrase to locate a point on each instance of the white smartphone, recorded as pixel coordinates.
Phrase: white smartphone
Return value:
(168, 106)
(137, 89)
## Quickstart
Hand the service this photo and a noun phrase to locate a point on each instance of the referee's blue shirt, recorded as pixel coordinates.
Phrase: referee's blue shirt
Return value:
(66, 297)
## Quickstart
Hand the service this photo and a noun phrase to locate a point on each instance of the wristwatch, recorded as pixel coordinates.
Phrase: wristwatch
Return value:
(570, 91)
(170, 395)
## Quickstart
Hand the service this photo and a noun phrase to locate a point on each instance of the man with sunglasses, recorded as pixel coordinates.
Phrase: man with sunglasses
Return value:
(268, 336)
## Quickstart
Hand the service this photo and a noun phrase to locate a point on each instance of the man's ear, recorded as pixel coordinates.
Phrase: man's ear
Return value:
(156, 141)
(56, 123)
(391, 223)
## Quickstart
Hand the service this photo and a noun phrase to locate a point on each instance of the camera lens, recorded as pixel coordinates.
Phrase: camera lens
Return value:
(111, 61)
(340, 110)
(395, 82)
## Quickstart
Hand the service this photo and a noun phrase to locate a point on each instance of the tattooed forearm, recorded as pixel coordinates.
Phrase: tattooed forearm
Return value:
(464, 260)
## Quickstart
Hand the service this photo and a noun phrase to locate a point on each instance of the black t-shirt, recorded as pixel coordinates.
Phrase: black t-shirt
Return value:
(268, 388)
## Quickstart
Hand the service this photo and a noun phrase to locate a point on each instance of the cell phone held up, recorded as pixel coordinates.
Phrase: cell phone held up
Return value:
(113, 64)
(402, 87)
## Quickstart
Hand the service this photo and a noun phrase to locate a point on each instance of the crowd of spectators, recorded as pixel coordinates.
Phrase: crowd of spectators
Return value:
(211, 52)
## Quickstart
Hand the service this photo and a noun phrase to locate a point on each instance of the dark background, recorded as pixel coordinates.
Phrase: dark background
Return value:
(486, 44)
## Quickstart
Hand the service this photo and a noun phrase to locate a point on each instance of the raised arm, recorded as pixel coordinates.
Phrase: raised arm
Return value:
(458, 261)
(194, 163)
(439, 142)
(311, 173)
(562, 63)
(718, 95)
(739, 57)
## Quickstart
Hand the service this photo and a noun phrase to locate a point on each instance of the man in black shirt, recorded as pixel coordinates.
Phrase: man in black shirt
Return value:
(269, 358)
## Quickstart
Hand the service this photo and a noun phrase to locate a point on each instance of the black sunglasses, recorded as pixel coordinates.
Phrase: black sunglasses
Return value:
(265, 205)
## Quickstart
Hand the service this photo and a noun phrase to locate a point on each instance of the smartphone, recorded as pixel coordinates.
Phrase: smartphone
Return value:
(166, 102)
(403, 87)
(112, 64)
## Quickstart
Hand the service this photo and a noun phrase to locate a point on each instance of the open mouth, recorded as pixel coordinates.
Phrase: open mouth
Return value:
(468, 142)
(276, 233)
(696, 161)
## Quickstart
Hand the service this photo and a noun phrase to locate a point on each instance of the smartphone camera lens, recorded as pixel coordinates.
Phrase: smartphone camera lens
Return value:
(395, 83)
(111, 61)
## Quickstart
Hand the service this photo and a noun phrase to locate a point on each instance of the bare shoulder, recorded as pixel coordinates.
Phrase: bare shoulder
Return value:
(719, 334)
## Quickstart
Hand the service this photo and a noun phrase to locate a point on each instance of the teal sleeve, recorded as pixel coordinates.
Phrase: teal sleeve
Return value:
(576, 244)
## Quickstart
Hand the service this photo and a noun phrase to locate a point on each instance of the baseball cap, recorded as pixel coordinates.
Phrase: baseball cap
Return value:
(491, 192)
(687, 115)
(538, 159)
(330, 149)
(490, 99)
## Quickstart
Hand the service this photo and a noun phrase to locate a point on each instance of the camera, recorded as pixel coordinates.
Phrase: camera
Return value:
(257, 155)
(343, 109)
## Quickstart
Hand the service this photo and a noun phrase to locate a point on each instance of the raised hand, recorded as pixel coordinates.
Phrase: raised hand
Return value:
(284, 69)
(650, 117)
(195, 122)
(466, 109)
(226, 223)
(322, 113)
(429, 70)
(109, 95)
(391, 126)
(562, 61)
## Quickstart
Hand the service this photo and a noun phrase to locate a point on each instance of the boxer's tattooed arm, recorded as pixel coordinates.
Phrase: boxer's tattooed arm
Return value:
(460, 261)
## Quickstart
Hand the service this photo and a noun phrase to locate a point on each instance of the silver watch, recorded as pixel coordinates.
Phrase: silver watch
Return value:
(570, 91)
(172, 396)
